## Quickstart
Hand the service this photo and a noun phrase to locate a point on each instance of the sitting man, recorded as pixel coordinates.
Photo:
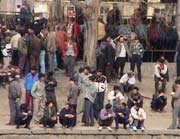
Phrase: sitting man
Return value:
(67, 116)
(138, 117)
(122, 115)
(135, 97)
(106, 117)
(24, 116)
(127, 81)
(50, 118)
(159, 102)
(115, 97)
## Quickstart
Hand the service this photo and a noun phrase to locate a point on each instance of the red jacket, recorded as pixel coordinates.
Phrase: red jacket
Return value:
(75, 48)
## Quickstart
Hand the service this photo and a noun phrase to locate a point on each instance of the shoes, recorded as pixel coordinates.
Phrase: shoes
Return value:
(109, 128)
(17, 127)
(27, 127)
(142, 128)
(134, 128)
(100, 128)
(125, 126)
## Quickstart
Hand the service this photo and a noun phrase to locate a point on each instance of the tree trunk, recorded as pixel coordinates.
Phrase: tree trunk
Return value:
(90, 9)
(56, 10)
(91, 40)
(178, 18)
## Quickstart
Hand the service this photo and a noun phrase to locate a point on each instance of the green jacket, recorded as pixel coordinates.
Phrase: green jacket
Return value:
(22, 46)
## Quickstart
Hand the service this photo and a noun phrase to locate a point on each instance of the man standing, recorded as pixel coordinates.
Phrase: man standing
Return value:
(22, 51)
(14, 96)
(29, 81)
(39, 96)
(121, 50)
(73, 95)
(34, 51)
(137, 51)
(51, 49)
(110, 58)
(176, 104)
(101, 82)
(42, 36)
(14, 44)
(89, 98)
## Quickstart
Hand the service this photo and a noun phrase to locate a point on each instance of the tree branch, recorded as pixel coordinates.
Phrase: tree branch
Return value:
(78, 4)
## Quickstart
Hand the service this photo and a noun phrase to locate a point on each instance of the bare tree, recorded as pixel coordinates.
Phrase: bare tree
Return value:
(90, 9)
(56, 10)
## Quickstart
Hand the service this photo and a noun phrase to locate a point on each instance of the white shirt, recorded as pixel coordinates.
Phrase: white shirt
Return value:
(70, 30)
(14, 41)
(111, 96)
(70, 50)
(125, 79)
(136, 114)
(162, 71)
(123, 51)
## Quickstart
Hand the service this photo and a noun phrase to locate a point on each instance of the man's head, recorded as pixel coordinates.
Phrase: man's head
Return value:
(41, 77)
(177, 82)
(108, 106)
(136, 106)
(81, 70)
(161, 60)
(50, 104)
(135, 90)
(108, 38)
(99, 72)
(130, 73)
(123, 105)
(86, 70)
(72, 80)
(136, 40)
(67, 106)
(12, 77)
(116, 88)
(121, 38)
(33, 70)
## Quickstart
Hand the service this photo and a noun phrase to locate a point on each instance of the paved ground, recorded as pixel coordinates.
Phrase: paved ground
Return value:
(154, 120)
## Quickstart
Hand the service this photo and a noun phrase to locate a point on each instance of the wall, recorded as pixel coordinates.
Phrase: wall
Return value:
(88, 134)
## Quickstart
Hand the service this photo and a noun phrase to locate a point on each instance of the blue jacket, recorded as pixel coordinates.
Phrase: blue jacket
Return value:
(29, 81)
(126, 112)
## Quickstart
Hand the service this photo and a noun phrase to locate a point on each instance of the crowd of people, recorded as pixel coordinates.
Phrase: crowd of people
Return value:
(34, 51)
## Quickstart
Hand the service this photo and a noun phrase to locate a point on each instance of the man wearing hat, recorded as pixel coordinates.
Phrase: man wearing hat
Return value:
(14, 96)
